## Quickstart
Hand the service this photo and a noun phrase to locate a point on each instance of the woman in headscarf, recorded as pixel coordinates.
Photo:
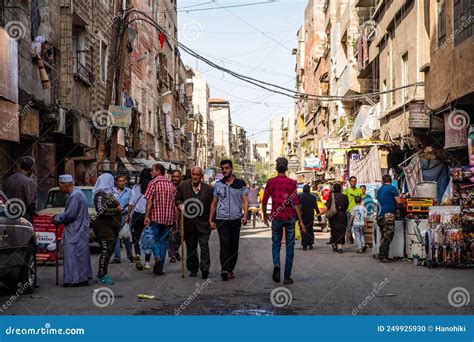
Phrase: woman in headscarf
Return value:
(338, 222)
(107, 223)
(136, 216)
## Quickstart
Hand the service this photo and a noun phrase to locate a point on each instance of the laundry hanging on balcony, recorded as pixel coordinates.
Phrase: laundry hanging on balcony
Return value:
(169, 132)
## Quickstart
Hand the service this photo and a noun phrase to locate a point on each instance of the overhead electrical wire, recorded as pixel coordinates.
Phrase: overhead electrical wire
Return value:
(223, 7)
(262, 84)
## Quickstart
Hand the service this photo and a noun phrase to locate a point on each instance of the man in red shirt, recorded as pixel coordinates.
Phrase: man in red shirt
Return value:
(160, 214)
(285, 203)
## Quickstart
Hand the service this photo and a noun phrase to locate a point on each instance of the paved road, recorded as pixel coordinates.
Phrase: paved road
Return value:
(326, 283)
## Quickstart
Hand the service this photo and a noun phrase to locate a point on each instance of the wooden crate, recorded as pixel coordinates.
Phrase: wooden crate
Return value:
(368, 233)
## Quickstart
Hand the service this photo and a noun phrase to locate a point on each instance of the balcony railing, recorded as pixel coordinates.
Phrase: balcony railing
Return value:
(81, 71)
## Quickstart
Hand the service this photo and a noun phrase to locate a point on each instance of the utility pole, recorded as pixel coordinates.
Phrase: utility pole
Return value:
(115, 74)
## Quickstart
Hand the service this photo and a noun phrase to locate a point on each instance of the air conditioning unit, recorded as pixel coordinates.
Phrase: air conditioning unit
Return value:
(60, 121)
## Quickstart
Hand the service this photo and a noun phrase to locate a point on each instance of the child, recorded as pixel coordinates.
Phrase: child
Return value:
(359, 222)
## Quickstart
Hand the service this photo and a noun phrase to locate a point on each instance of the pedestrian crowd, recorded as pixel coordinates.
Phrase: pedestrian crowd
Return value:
(161, 214)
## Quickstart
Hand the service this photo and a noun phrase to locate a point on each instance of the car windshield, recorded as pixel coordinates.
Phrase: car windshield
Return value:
(57, 198)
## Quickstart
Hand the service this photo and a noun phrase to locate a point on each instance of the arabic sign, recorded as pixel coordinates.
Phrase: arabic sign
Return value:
(312, 163)
(418, 117)
(122, 116)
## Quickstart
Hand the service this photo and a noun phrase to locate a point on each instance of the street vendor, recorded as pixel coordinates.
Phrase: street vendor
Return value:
(77, 262)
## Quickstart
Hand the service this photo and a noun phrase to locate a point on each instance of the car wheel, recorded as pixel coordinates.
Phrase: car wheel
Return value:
(28, 274)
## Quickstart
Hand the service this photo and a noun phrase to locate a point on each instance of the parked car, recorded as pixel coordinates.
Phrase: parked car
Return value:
(17, 254)
(56, 201)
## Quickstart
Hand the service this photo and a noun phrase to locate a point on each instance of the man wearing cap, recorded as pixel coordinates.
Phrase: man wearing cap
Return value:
(77, 261)
(285, 203)
(21, 187)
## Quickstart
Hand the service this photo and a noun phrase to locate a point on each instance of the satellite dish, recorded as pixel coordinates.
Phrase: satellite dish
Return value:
(166, 108)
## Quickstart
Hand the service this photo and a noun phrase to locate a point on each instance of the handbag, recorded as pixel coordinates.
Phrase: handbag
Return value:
(332, 210)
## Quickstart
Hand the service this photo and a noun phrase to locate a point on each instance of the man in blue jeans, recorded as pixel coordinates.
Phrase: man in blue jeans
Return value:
(160, 214)
(285, 203)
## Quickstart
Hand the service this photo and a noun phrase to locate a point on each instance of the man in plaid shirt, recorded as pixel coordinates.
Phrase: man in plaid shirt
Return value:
(160, 213)
(285, 203)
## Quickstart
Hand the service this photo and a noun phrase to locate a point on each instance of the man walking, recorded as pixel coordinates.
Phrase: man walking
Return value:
(77, 262)
(160, 214)
(229, 207)
(309, 204)
(194, 198)
(123, 195)
(175, 234)
(285, 203)
(351, 192)
(388, 199)
(21, 187)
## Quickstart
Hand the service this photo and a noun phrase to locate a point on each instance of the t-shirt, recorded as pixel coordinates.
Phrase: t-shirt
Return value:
(351, 195)
(284, 196)
(359, 213)
(368, 202)
(386, 197)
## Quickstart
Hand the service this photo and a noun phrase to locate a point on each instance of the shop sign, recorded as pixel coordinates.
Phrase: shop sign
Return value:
(455, 133)
(338, 158)
(418, 118)
(331, 143)
(294, 163)
(312, 163)
(122, 116)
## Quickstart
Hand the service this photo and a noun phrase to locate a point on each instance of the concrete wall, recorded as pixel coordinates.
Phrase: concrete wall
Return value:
(451, 72)
(221, 118)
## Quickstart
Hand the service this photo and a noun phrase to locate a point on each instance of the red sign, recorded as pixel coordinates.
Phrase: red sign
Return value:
(46, 240)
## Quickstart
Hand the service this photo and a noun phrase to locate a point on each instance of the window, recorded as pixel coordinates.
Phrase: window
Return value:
(103, 61)
(404, 76)
(441, 22)
(463, 15)
(81, 54)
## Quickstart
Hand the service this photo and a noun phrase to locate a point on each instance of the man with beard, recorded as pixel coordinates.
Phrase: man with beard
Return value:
(228, 207)
(194, 198)
(175, 236)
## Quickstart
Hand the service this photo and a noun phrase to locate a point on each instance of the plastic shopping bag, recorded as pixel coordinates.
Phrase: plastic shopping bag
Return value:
(125, 232)
(297, 231)
(147, 240)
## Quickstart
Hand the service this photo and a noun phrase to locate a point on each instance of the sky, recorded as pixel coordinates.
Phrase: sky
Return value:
(255, 40)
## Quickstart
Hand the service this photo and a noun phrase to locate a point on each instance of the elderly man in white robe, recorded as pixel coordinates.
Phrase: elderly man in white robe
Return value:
(77, 262)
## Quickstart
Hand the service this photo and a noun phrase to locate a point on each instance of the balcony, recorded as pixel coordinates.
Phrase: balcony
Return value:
(348, 83)
(81, 71)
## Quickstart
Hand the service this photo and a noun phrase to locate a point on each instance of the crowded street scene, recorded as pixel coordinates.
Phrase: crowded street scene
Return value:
(237, 158)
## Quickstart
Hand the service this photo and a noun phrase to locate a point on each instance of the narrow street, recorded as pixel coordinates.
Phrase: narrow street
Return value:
(326, 283)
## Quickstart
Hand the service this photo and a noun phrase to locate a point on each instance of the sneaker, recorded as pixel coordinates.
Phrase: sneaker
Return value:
(276, 274)
(205, 274)
(288, 281)
(224, 275)
(311, 247)
(158, 267)
(105, 280)
(147, 265)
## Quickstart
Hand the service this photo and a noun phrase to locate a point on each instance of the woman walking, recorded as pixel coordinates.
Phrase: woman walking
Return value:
(107, 224)
(136, 216)
(339, 221)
